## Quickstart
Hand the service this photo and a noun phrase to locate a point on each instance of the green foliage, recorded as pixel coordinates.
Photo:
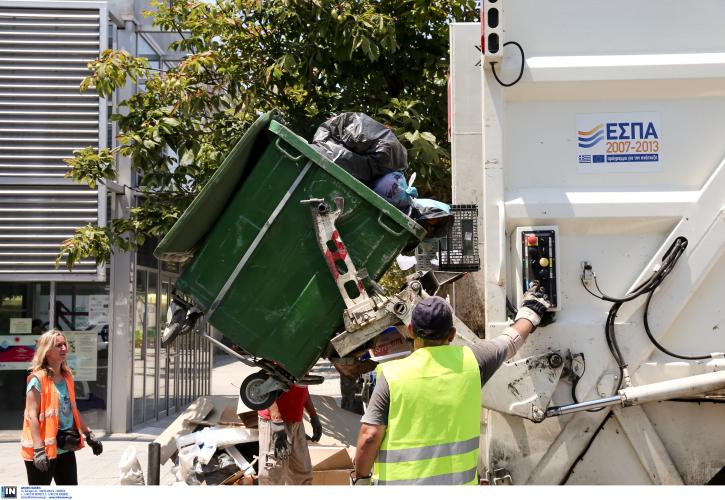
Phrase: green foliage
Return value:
(88, 241)
(112, 70)
(91, 167)
(309, 59)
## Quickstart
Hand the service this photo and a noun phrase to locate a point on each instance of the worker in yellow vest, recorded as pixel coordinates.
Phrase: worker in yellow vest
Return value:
(422, 424)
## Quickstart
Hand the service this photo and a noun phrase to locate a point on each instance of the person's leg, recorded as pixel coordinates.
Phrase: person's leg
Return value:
(348, 389)
(36, 477)
(271, 471)
(299, 468)
(66, 470)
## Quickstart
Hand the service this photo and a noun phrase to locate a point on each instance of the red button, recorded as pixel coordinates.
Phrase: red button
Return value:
(532, 240)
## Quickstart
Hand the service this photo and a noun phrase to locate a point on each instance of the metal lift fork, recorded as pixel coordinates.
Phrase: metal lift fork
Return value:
(360, 308)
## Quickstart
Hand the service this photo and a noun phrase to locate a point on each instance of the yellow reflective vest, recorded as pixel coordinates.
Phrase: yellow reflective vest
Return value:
(434, 418)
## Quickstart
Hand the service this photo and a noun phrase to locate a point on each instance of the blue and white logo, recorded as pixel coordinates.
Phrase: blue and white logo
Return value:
(590, 138)
(618, 142)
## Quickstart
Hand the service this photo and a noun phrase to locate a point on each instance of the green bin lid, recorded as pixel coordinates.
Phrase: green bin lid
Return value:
(200, 216)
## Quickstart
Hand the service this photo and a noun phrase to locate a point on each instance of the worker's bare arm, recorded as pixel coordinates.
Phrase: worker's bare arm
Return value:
(368, 444)
(274, 413)
(310, 406)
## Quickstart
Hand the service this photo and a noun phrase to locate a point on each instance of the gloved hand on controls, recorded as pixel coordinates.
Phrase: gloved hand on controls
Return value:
(534, 306)
(316, 429)
(279, 441)
(40, 459)
(95, 444)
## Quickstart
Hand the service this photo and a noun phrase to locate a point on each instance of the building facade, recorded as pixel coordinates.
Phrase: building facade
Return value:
(112, 314)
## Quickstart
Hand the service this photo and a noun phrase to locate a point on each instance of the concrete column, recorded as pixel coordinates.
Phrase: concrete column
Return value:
(122, 280)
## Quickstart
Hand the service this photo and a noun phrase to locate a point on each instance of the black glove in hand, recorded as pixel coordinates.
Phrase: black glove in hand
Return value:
(534, 306)
(356, 480)
(280, 442)
(40, 459)
(316, 428)
(95, 445)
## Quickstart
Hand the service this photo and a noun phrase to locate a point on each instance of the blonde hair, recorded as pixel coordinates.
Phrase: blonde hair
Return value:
(45, 343)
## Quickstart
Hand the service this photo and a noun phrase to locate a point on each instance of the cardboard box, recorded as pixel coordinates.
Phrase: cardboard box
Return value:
(331, 477)
(247, 416)
(391, 344)
(331, 465)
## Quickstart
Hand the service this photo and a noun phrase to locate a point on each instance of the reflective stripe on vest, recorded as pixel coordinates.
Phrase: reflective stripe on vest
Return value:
(426, 452)
(452, 479)
(434, 418)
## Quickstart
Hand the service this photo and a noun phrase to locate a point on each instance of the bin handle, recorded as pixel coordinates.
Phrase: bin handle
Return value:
(388, 228)
(284, 151)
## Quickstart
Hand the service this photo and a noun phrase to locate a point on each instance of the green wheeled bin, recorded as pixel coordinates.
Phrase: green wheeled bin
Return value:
(252, 262)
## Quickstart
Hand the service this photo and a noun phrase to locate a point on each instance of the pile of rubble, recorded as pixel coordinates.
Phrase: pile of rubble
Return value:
(215, 442)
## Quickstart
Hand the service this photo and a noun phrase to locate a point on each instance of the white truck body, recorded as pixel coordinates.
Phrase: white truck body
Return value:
(613, 137)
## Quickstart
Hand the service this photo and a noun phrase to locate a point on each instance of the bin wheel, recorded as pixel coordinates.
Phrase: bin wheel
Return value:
(251, 394)
(176, 316)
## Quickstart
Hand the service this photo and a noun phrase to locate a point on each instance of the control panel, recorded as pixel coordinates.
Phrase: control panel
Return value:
(537, 260)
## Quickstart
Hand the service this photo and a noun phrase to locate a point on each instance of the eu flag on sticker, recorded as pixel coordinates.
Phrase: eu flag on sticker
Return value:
(598, 158)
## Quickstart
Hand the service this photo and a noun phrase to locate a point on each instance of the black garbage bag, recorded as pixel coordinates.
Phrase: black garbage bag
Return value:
(362, 146)
(433, 215)
(220, 467)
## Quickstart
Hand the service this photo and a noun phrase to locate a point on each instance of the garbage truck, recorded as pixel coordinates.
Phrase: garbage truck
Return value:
(590, 135)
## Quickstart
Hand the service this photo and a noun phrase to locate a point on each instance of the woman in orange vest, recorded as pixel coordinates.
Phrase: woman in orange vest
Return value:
(52, 426)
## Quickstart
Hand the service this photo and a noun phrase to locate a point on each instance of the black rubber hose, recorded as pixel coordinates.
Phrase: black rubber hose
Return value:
(657, 344)
(669, 259)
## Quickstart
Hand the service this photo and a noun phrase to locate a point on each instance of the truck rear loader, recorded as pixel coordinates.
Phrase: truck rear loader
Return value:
(590, 135)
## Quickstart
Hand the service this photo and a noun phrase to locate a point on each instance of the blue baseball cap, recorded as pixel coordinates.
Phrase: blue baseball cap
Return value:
(432, 318)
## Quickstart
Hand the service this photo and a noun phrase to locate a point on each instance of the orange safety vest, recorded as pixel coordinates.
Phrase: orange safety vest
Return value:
(48, 416)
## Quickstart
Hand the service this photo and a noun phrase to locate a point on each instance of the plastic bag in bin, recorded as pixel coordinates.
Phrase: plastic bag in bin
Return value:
(362, 146)
(434, 216)
(394, 188)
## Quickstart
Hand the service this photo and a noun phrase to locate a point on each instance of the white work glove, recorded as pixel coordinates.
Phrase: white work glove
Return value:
(534, 306)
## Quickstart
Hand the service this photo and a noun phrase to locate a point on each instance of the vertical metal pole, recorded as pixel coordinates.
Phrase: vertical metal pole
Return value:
(51, 306)
(154, 465)
(187, 363)
(195, 371)
(157, 340)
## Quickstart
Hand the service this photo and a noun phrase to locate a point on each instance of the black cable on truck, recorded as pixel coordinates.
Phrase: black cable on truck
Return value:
(521, 72)
(648, 287)
(657, 344)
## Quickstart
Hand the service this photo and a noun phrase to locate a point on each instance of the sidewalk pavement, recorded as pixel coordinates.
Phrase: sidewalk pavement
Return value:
(227, 375)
